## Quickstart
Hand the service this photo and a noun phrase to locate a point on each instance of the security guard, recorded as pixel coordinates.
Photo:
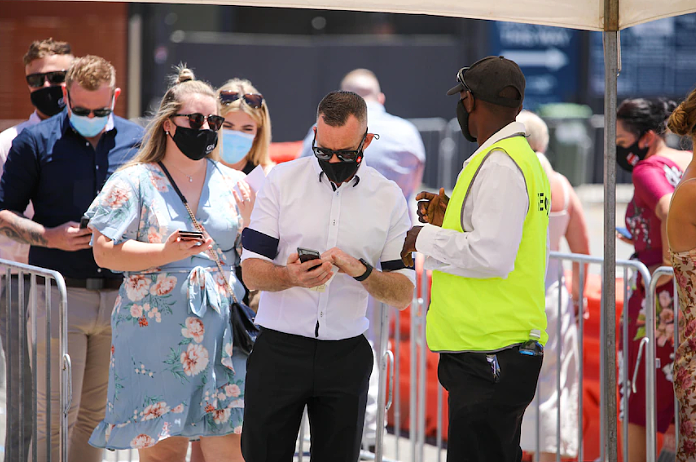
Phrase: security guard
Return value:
(487, 246)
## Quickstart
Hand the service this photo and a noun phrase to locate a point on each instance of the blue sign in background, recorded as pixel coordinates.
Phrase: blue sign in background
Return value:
(548, 56)
(657, 59)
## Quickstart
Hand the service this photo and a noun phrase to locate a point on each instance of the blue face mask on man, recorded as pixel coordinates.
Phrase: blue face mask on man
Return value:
(86, 126)
(235, 145)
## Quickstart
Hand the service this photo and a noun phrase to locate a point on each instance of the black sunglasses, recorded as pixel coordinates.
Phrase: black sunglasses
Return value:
(345, 156)
(197, 119)
(460, 79)
(54, 78)
(84, 112)
(253, 100)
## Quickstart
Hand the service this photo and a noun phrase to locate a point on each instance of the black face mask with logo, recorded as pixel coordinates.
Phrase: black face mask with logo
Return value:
(195, 144)
(628, 157)
(48, 100)
(463, 119)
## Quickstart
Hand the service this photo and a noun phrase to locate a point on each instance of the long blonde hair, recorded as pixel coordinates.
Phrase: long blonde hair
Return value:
(258, 154)
(155, 140)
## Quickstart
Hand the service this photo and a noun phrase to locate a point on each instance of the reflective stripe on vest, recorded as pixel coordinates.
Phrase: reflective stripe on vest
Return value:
(469, 314)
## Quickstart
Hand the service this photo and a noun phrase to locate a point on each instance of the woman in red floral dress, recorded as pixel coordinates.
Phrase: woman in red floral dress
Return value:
(681, 226)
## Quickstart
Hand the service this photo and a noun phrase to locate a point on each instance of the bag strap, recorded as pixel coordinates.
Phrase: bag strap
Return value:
(199, 227)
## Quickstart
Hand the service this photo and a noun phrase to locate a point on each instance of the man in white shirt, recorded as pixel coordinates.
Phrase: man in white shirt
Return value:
(45, 65)
(488, 246)
(312, 350)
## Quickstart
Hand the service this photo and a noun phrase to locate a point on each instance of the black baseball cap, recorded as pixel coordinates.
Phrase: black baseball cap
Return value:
(488, 77)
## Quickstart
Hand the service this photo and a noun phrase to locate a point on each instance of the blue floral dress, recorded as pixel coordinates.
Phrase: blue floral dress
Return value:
(173, 369)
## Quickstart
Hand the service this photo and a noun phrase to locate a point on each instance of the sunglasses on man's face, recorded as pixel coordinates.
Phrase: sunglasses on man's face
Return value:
(54, 78)
(344, 155)
(253, 100)
(84, 112)
(197, 119)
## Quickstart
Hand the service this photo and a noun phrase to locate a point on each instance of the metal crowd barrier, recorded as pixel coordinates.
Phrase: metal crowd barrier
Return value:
(16, 324)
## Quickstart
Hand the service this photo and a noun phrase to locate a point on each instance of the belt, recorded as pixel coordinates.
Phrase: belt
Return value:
(94, 283)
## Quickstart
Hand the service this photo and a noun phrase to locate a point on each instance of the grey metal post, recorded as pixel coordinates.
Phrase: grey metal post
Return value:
(397, 380)
(423, 302)
(559, 345)
(66, 369)
(10, 396)
(21, 332)
(611, 68)
(49, 382)
(412, 413)
(34, 370)
(581, 357)
(626, 374)
(382, 391)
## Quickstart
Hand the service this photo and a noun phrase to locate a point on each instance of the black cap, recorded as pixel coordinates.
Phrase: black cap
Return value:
(488, 77)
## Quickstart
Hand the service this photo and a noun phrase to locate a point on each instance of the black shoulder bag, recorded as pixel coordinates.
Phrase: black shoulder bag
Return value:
(244, 331)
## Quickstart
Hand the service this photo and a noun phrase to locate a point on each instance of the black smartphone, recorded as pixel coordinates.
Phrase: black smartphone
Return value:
(84, 221)
(307, 254)
(624, 232)
(191, 235)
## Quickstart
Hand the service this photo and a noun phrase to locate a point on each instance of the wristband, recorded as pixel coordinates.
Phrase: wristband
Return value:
(366, 274)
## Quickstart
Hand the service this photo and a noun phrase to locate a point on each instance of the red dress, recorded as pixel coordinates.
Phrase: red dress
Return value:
(653, 178)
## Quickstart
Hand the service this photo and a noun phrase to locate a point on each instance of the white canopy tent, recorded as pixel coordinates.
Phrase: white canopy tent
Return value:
(609, 16)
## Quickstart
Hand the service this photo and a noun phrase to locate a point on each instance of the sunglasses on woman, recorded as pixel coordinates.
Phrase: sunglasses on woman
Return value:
(253, 100)
(54, 78)
(344, 155)
(197, 119)
(84, 112)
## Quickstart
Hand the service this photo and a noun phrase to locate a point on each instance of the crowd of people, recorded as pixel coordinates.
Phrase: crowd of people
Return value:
(164, 235)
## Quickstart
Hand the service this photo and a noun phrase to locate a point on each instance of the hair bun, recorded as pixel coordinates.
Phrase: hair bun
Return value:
(679, 121)
(185, 75)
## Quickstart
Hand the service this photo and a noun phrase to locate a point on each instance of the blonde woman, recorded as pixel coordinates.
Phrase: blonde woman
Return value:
(174, 374)
(246, 133)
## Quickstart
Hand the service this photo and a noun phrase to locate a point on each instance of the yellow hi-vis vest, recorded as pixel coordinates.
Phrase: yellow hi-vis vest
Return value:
(469, 314)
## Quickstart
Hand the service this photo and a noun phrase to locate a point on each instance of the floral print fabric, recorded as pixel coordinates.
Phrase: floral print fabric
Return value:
(173, 369)
(684, 264)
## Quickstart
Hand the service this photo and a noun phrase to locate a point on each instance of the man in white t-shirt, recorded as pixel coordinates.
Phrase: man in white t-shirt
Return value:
(45, 65)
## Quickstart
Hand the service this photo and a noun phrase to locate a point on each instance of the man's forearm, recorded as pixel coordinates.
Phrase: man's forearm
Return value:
(263, 275)
(21, 229)
(394, 289)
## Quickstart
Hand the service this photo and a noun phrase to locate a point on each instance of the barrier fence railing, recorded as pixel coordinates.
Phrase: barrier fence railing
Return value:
(17, 311)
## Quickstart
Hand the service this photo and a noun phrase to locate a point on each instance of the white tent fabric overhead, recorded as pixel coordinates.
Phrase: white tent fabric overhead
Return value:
(575, 14)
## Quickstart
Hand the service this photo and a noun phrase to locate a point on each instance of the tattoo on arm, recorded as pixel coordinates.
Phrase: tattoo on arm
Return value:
(21, 229)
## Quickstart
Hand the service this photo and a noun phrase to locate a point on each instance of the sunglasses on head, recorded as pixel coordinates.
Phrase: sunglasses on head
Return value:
(460, 79)
(84, 112)
(344, 155)
(253, 100)
(197, 119)
(54, 78)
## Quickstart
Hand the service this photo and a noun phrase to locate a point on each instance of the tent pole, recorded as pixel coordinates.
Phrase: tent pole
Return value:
(611, 67)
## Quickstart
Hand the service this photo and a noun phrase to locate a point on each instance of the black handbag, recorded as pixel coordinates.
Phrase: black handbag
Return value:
(244, 330)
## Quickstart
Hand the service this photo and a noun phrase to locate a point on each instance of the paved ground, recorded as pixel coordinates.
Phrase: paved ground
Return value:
(592, 199)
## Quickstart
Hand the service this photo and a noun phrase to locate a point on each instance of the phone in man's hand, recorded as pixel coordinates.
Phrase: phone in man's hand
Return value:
(84, 221)
(307, 254)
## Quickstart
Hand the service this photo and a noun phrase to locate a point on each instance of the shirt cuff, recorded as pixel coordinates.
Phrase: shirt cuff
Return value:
(426, 239)
(249, 254)
(409, 273)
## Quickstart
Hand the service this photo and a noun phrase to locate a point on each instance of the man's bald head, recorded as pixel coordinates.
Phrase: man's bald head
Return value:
(364, 83)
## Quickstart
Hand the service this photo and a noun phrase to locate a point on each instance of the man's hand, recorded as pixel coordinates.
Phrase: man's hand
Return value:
(309, 274)
(432, 207)
(345, 263)
(68, 237)
(410, 245)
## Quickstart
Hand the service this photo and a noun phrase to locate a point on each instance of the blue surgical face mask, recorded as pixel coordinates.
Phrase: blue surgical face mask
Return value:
(89, 127)
(235, 145)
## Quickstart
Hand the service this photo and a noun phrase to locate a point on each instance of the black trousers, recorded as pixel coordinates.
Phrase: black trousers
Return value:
(485, 411)
(286, 372)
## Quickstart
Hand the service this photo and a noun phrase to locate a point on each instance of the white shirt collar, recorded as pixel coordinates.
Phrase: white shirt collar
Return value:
(511, 129)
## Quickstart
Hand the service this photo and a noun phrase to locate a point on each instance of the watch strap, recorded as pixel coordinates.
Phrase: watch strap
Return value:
(366, 274)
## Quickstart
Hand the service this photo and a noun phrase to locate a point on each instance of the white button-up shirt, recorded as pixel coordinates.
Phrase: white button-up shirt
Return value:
(493, 218)
(10, 249)
(366, 217)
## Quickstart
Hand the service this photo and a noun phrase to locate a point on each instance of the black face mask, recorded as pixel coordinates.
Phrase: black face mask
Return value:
(339, 171)
(48, 100)
(195, 144)
(627, 158)
(463, 119)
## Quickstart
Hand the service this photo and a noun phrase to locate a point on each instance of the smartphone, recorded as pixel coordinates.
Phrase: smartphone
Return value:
(624, 232)
(191, 236)
(307, 254)
(84, 221)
